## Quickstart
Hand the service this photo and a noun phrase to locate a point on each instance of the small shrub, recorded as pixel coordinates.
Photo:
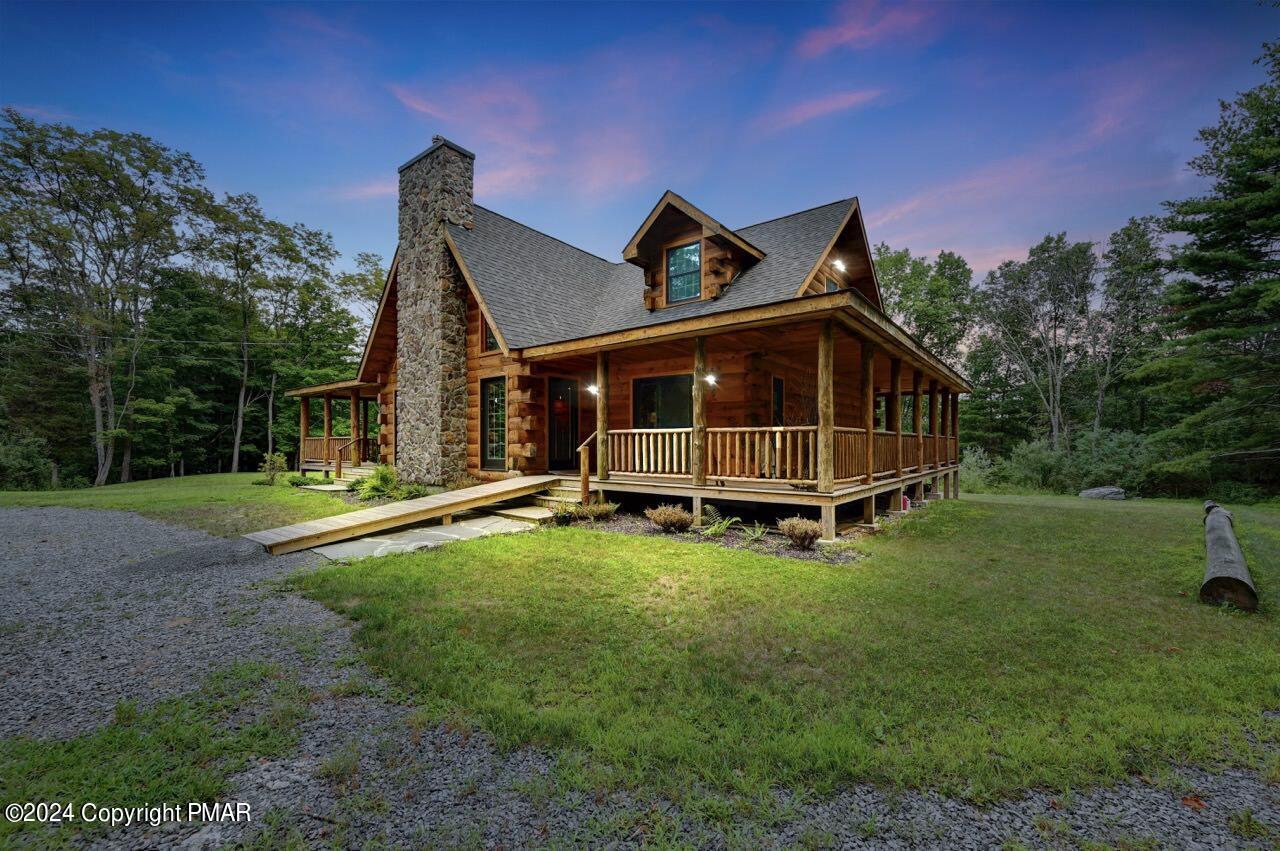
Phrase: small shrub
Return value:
(715, 524)
(382, 483)
(669, 518)
(755, 532)
(802, 532)
(598, 510)
(272, 466)
(564, 513)
(976, 468)
(412, 491)
(1237, 492)
(298, 480)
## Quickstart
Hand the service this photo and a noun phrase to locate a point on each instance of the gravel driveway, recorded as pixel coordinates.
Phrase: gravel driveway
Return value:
(100, 607)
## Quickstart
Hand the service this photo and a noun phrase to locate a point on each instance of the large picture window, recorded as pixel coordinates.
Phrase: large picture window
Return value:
(493, 423)
(684, 272)
(662, 402)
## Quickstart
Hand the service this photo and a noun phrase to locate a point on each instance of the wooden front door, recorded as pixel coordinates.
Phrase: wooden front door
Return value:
(562, 424)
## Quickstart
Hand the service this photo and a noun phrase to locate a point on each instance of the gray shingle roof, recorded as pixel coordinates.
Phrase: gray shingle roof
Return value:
(541, 290)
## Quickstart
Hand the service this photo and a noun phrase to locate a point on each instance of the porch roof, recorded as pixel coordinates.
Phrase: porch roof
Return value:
(335, 387)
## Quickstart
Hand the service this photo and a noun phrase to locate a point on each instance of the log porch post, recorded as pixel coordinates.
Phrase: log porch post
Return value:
(933, 420)
(826, 409)
(869, 407)
(946, 441)
(955, 432)
(698, 439)
(355, 425)
(602, 416)
(894, 423)
(304, 428)
(328, 429)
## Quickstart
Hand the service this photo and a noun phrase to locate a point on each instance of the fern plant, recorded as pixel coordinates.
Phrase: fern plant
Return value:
(382, 483)
(755, 532)
(715, 524)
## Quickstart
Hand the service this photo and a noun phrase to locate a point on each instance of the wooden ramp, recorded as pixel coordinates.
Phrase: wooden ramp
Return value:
(341, 527)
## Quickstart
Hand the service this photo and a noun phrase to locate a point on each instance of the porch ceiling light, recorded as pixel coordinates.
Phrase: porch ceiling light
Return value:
(710, 379)
(593, 389)
(839, 264)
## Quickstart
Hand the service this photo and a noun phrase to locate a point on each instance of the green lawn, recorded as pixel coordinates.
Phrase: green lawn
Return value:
(226, 504)
(984, 646)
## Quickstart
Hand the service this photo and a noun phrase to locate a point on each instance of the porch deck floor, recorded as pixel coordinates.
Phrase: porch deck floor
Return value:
(762, 489)
(342, 527)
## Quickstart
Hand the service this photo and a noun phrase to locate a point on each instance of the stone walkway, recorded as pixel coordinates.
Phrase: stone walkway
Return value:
(464, 528)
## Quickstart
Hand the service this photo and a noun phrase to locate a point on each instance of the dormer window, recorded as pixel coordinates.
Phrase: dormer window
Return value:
(832, 285)
(490, 339)
(684, 272)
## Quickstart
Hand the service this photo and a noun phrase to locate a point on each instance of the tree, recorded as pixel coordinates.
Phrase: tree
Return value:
(85, 221)
(933, 301)
(1224, 308)
(1038, 314)
(363, 287)
(1124, 327)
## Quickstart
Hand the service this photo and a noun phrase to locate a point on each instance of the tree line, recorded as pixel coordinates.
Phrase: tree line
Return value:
(1151, 361)
(148, 326)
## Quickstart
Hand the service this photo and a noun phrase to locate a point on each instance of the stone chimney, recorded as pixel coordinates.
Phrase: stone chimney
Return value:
(436, 187)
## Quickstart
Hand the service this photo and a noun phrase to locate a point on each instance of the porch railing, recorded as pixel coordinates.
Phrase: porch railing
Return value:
(850, 453)
(651, 451)
(327, 450)
(884, 454)
(786, 454)
(910, 452)
(781, 454)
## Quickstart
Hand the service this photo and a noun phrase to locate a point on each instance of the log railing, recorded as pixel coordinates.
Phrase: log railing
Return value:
(910, 452)
(850, 453)
(329, 449)
(584, 467)
(930, 450)
(885, 452)
(779, 453)
(651, 451)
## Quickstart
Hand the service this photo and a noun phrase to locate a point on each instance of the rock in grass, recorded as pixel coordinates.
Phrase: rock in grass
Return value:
(1103, 493)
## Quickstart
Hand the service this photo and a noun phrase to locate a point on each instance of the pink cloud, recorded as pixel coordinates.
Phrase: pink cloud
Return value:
(367, 190)
(809, 110)
(861, 24)
(299, 20)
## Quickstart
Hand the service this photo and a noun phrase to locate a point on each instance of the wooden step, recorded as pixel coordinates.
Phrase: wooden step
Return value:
(527, 513)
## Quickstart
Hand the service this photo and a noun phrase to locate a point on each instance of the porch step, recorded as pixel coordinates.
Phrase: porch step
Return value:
(527, 513)
(574, 493)
(553, 501)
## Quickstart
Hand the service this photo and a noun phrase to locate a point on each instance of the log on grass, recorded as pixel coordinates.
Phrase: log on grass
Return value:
(1226, 575)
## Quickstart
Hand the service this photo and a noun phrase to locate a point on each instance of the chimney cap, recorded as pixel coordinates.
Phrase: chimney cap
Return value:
(439, 142)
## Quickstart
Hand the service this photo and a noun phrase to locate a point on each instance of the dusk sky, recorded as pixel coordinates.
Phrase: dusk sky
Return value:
(971, 127)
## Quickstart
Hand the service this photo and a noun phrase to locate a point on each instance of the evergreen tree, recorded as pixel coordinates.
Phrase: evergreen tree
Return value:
(1224, 307)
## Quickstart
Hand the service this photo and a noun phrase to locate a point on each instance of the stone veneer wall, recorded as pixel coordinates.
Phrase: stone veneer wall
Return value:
(431, 406)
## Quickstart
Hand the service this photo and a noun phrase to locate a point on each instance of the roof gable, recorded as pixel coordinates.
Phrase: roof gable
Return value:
(668, 215)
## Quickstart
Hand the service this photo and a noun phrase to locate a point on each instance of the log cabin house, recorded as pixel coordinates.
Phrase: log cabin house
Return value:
(753, 364)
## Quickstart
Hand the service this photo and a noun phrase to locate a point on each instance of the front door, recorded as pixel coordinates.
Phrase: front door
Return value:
(562, 424)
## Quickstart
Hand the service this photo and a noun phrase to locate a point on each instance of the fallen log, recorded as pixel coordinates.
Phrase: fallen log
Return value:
(1226, 575)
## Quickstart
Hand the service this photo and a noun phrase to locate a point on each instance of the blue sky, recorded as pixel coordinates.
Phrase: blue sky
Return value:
(971, 127)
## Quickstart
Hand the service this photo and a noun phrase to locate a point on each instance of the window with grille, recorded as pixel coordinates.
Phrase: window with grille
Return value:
(493, 423)
(684, 272)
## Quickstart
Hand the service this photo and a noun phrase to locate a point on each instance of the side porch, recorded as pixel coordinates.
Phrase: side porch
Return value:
(344, 447)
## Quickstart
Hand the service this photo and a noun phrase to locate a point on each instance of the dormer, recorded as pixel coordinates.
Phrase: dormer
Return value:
(846, 262)
(686, 255)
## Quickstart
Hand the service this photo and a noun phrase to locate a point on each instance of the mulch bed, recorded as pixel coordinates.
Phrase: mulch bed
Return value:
(771, 544)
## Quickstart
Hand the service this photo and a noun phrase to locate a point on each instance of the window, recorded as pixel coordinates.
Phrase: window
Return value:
(832, 285)
(490, 340)
(684, 272)
(663, 402)
(779, 402)
(493, 423)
